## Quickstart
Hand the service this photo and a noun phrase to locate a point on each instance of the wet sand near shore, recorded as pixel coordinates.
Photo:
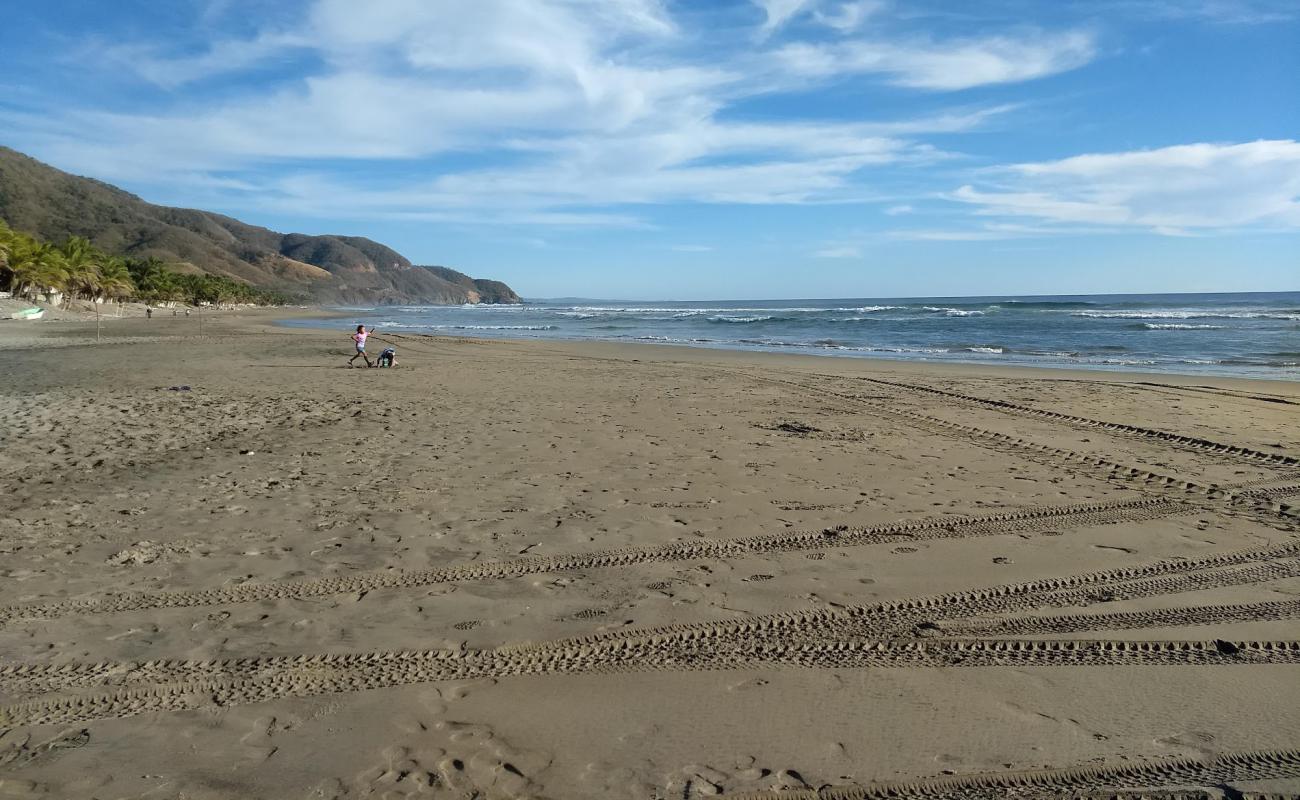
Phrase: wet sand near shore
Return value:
(232, 567)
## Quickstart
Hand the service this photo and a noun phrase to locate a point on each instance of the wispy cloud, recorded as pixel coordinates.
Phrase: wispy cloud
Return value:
(778, 12)
(566, 112)
(848, 17)
(560, 107)
(1226, 12)
(154, 64)
(1171, 190)
(947, 65)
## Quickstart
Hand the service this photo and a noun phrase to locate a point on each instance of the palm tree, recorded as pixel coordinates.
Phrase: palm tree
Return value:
(115, 279)
(7, 239)
(152, 278)
(37, 267)
(83, 262)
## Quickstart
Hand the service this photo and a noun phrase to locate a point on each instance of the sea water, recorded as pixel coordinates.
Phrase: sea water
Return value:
(1245, 335)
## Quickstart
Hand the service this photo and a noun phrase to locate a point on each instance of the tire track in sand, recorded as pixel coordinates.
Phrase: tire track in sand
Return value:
(1076, 515)
(1176, 617)
(1183, 442)
(1214, 772)
(318, 675)
(1257, 500)
(901, 617)
(45, 678)
(905, 618)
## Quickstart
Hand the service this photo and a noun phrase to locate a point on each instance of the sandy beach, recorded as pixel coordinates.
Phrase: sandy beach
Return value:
(231, 567)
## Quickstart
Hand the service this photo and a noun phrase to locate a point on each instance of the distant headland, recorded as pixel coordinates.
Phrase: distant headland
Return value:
(54, 205)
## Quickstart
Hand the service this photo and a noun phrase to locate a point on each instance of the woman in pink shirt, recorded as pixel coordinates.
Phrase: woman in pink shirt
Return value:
(360, 338)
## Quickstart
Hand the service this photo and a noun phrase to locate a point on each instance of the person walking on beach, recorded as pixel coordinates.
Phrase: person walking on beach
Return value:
(360, 338)
(148, 312)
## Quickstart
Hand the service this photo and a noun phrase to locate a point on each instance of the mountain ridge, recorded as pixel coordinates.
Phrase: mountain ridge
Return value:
(53, 205)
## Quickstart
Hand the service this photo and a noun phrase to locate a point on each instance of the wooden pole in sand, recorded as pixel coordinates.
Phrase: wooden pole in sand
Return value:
(96, 322)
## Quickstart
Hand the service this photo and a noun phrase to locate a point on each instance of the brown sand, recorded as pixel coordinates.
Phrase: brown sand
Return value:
(596, 571)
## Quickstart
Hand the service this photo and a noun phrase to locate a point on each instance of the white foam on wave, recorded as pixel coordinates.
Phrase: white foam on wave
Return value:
(698, 311)
(1177, 313)
(496, 327)
(1178, 326)
(419, 327)
(925, 350)
(741, 319)
(688, 311)
(954, 312)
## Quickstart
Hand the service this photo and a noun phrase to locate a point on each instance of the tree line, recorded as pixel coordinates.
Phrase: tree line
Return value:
(30, 267)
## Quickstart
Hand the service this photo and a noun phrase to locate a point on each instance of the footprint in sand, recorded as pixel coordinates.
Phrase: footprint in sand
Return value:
(257, 743)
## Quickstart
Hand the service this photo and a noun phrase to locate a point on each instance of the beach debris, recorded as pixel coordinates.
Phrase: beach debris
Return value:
(147, 552)
(794, 427)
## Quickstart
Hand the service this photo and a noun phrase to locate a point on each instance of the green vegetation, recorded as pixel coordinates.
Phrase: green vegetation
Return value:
(77, 269)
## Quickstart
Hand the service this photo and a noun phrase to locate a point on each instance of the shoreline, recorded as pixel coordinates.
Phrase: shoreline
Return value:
(245, 321)
(965, 367)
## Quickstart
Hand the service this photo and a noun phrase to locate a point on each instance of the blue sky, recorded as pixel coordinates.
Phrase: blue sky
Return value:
(757, 148)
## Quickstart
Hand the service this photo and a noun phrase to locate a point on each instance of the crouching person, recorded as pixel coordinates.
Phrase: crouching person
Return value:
(388, 358)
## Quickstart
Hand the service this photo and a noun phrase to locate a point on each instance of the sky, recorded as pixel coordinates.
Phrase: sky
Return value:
(631, 149)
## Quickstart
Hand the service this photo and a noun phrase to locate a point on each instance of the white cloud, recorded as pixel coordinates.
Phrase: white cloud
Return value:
(1171, 190)
(1224, 12)
(945, 66)
(894, 211)
(849, 16)
(779, 12)
(539, 112)
(224, 56)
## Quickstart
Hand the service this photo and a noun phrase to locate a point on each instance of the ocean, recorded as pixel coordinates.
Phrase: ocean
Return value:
(1244, 335)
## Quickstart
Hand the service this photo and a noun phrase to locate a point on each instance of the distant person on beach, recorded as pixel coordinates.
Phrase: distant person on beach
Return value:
(148, 312)
(360, 338)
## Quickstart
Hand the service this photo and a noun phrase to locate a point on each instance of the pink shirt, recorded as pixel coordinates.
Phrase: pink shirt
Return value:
(360, 337)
